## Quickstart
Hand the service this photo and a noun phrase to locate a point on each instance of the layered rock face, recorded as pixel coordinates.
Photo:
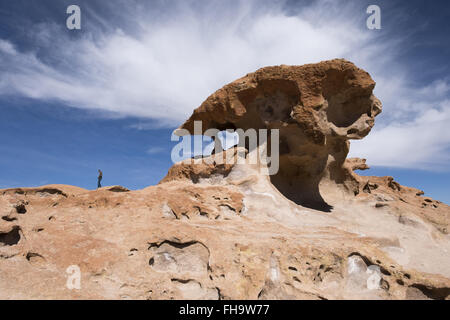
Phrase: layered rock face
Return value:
(317, 108)
(218, 230)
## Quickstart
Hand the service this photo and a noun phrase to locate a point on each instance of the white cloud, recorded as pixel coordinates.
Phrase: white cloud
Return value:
(168, 65)
(418, 139)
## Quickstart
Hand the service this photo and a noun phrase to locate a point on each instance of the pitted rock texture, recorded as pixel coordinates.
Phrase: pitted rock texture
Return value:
(212, 230)
(264, 247)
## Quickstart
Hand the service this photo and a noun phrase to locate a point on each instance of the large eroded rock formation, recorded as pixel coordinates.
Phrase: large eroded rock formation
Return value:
(317, 108)
(214, 230)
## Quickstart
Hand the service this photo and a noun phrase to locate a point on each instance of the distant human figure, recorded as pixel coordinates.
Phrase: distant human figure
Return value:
(100, 176)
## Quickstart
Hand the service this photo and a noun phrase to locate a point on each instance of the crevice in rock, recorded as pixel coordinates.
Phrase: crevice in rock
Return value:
(184, 281)
(9, 218)
(52, 191)
(219, 293)
(433, 292)
(34, 257)
(178, 245)
(7, 256)
(118, 189)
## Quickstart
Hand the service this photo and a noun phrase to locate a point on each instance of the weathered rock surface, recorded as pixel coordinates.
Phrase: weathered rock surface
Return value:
(212, 230)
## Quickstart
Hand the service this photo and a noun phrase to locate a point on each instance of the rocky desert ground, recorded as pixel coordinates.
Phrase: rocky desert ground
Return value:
(215, 230)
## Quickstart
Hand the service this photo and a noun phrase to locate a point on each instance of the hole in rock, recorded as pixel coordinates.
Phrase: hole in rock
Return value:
(300, 185)
(310, 157)
(10, 238)
(21, 209)
(344, 114)
(341, 110)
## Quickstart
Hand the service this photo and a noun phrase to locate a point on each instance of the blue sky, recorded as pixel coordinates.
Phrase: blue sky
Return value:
(109, 95)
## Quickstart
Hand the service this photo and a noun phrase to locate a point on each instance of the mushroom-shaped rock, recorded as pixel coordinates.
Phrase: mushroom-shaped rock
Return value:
(317, 108)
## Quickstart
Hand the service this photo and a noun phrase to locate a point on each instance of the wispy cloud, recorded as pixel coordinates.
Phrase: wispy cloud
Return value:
(166, 68)
(161, 64)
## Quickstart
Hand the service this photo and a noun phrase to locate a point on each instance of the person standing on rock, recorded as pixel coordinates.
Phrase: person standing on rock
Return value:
(100, 177)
